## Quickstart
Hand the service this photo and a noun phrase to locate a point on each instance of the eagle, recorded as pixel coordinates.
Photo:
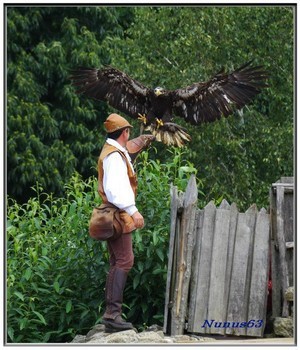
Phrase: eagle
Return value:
(197, 103)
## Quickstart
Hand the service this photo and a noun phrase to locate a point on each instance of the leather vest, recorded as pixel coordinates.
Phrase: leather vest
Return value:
(106, 150)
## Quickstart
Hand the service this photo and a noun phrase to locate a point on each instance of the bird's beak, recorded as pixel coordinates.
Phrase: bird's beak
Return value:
(157, 92)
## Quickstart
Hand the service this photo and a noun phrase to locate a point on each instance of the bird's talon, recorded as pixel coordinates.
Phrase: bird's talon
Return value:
(159, 122)
(143, 118)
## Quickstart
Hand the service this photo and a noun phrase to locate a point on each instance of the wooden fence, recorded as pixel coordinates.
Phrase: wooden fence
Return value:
(217, 279)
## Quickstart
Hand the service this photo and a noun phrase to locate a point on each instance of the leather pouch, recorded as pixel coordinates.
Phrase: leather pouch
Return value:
(105, 223)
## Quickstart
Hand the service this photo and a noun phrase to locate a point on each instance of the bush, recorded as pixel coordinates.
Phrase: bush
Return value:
(56, 273)
(53, 266)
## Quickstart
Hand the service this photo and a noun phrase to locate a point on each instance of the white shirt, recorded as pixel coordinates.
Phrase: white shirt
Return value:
(116, 182)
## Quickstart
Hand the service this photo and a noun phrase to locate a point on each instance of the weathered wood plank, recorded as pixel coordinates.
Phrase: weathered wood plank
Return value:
(252, 225)
(201, 289)
(281, 245)
(259, 276)
(191, 192)
(275, 269)
(282, 230)
(178, 312)
(288, 218)
(276, 281)
(195, 266)
(238, 299)
(184, 258)
(217, 304)
(169, 291)
(230, 250)
(224, 205)
(174, 279)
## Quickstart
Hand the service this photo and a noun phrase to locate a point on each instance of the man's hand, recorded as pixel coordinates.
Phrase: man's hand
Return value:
(138, 220)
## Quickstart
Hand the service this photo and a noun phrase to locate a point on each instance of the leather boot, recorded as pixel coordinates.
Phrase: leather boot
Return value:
(115, 284)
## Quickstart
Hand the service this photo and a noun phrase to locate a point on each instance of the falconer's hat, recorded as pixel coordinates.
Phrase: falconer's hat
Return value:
(115, 122)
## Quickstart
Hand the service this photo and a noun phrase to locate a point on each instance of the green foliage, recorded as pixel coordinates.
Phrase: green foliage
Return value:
(53, 268)
(56, 273)
(50, 132)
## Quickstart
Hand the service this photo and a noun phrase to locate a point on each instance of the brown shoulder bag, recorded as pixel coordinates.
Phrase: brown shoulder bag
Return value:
(105, 223)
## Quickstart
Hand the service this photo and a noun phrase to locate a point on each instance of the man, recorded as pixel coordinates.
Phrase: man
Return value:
(117, 184)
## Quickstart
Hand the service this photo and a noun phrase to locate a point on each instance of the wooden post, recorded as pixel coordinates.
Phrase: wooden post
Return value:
(186, 240)
(282, 238)
(169, 291)
(275, 268)
(282, 248)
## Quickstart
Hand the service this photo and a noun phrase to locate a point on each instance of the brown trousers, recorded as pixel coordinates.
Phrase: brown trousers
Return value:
(121, 261)
(121, 253)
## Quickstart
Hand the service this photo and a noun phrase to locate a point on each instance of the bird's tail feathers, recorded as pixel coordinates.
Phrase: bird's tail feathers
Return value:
(170, 134)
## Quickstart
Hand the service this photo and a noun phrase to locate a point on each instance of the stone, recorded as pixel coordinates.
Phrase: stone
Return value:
(79, 339)
(129, 336)
(161, 333)
(98, 338)
(283, 327)
(199, 338)
(150, 337)
(98, 328)
(169, 340)
(184, 339)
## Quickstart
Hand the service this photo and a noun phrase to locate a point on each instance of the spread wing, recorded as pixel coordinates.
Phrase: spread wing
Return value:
(220, 96)
(113, 86)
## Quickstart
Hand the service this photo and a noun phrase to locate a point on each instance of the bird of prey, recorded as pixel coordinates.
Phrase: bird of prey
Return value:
(198, 103)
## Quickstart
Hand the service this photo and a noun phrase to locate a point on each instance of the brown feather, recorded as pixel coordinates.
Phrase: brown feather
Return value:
(220, 96)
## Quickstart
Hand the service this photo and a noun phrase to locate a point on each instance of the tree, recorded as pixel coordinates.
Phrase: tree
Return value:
(50, 132)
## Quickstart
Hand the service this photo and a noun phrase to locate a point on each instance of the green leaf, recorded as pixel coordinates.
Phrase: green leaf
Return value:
(10, 332)
(56, 286)
(41, 317)
(84, 313)
(37, 223)
(23, 323)
(161, 254)
(154, 237)
(68, 306)
(19, 295)
(136, 281)
(28, 273)
(140, 266)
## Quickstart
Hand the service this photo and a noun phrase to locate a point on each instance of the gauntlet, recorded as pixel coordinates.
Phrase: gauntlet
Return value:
(137, 145)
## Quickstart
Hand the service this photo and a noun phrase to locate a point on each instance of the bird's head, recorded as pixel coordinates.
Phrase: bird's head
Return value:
(159, 91)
